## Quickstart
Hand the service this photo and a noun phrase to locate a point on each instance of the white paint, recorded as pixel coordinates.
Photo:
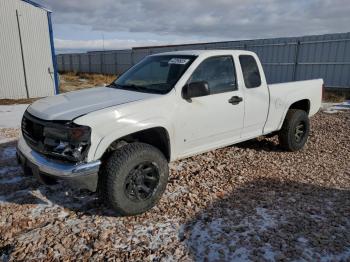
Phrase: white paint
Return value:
(73, 104)
(194, 127)
(207, 122)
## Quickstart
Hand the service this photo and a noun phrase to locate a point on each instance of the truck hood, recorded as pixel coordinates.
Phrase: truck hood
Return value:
(74, 104)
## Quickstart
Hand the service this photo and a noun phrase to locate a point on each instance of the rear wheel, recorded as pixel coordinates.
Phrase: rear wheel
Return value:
(295, 130)
(134, 178)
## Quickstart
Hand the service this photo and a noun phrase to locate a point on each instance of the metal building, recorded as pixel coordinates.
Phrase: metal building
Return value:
(27, 56)
(284, 59)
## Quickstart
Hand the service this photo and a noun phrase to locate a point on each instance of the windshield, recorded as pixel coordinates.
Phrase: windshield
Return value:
(155, 74)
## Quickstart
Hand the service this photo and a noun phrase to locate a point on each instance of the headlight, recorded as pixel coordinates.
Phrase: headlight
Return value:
(70, 142)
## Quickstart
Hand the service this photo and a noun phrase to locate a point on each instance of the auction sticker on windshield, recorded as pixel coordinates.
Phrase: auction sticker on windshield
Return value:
(178, 61)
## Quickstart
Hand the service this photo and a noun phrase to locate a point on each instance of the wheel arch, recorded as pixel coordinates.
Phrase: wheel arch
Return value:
(156, 136)
(303, 104)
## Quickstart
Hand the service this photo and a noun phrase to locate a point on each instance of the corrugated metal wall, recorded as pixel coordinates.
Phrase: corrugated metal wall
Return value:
(284, 59)
(12, 84)
(24, 25)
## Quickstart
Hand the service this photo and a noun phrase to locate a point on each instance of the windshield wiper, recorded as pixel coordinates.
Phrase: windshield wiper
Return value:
(113, 85)
(135, 87)
(132, 87)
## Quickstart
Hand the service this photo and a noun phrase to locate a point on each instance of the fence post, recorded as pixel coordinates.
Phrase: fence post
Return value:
(132, 57)
(71, 62)
(79, 63)
(102, 63)
(116, 62)
(296, 60)
(62, 61)
(89, 61)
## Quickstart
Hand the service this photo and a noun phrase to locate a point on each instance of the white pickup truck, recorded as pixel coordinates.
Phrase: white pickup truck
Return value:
(119, 139)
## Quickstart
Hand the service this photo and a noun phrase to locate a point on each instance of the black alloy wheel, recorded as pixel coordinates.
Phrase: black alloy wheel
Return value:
(142, 181)
(300, 132)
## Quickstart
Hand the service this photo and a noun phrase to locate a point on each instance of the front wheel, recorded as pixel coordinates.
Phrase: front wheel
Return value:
(134, 178)
(295, 130)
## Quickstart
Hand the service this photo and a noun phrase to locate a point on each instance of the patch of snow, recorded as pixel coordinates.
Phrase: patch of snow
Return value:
(269, 254)
(179, 191)
(332, 108)
(2, 199)
(224, 240)
(8, 153)
(9, 170)
(343, 256)
(309, 253)
(15, 195)
(158, 234)
(13, 180)
(10, 116)
(302, 240)
(176, 166)
(267, 220)
(4, 140)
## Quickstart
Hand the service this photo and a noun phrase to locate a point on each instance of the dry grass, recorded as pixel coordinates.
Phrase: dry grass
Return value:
(76, 81)
(17, 101)
(334, 97)
(70, 82)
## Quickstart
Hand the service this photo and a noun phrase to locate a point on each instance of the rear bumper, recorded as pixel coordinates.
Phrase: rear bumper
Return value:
(82, 175)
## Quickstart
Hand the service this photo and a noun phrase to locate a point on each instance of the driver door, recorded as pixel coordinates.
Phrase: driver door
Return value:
(216, 119)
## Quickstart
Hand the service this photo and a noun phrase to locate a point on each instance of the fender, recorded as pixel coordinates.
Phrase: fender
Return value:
(280, 102)
(303, 94)
(117, 133)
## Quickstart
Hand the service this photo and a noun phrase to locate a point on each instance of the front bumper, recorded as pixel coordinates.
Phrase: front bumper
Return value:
(82, 175)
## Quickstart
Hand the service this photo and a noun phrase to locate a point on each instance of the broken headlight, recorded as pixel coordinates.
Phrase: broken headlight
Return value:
(70, 142)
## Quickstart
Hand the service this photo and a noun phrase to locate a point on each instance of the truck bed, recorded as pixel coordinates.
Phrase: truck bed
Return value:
(283, 95)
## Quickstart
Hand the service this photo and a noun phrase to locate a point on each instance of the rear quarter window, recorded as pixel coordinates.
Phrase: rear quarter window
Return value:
(250, 70)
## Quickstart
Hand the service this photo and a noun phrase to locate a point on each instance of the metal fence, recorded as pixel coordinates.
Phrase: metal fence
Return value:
(284, 59)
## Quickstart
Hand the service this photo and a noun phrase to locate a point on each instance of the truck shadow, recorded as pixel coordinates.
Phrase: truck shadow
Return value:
(261, 144)
(26, 190)
(17, 188)
(269, 220)
(262, 219)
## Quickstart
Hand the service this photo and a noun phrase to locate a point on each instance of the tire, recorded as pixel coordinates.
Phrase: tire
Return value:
(295, 130)
(126, 175)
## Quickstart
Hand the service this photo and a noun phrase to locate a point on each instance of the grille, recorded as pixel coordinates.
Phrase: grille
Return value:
(34, 134)
(33, 130)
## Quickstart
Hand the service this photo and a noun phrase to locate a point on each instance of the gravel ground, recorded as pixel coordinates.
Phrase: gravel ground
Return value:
(250, 201)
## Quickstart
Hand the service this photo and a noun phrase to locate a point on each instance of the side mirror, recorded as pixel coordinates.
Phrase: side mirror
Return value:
(195, 89)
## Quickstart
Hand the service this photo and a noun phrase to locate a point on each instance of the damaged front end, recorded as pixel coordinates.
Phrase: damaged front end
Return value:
(57, 150)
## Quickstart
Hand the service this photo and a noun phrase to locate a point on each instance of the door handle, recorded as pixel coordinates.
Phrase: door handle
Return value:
(235, 100)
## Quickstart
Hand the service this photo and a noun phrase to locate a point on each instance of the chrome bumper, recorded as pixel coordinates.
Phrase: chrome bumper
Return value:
(43, 166)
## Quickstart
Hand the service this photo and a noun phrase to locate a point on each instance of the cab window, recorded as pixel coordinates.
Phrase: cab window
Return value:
(250, 71)
(218, 72)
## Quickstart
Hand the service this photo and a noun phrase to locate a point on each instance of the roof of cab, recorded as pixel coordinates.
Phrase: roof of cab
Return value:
(205, 52)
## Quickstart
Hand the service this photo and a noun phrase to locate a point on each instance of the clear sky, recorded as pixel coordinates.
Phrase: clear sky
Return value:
(82, 25)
